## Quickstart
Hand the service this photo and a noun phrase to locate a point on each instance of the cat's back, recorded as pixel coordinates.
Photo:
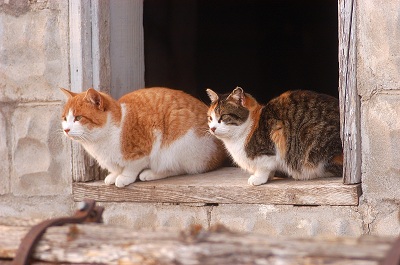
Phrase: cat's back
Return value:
(305, 116)
(162, 99)
(170, 112)
(303, 102)
(304, 105)
(306, 126)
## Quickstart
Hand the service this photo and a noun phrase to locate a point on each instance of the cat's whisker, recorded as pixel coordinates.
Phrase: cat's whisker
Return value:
(204, 130)
(56, 135)
(57, 132)
(84, 138)
(208, 133)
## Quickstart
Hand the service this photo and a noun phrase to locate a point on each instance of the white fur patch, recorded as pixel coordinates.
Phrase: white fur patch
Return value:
(188, 154)
(105, 146)
(310, 173)
(234, 138)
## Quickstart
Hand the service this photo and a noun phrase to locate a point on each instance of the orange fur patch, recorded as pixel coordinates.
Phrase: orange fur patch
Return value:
(211, 108)
(285, 95)
(168, 111)
(338, 159)
(283, 99)
(255, 112)
(279, 138)
(250, 102)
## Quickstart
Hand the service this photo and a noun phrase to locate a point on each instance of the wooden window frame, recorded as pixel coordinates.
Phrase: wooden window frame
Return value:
(348, 94)
(90, 66)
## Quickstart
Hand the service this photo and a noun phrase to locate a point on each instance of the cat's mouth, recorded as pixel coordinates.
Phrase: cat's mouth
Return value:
(213, 131)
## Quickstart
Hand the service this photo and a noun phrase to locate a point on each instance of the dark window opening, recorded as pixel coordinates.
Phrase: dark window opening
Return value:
(264, 46)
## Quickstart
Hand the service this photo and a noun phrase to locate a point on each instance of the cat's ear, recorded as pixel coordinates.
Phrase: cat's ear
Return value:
(238, 95)
(212, 95)
(68, 93)
(95, 98)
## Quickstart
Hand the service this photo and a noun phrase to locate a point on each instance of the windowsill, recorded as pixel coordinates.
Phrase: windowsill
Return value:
(224, 186)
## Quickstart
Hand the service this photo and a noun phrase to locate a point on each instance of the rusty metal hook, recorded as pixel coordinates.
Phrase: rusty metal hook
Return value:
(87, 212)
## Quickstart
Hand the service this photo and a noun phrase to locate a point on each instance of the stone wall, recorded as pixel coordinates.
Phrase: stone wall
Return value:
(274, 220)
(378, 83)
(35, 160)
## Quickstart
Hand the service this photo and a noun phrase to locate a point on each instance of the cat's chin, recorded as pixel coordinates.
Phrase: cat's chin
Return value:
(74, 138)
(216, 134)
(223, 137)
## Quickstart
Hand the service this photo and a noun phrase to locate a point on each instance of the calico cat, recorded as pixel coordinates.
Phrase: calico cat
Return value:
(297, 133)
(150, 133)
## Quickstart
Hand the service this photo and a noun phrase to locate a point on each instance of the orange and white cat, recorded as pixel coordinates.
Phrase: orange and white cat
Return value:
(151, 133)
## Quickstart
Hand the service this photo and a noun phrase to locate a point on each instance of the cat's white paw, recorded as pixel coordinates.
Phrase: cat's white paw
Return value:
(123, 181)
(257, 180)
(148, 175)
(110, 179)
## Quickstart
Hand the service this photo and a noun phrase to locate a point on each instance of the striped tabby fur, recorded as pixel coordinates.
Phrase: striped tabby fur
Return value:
(297, 133)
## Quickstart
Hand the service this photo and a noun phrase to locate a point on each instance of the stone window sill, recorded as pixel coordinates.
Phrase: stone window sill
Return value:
(224, 186)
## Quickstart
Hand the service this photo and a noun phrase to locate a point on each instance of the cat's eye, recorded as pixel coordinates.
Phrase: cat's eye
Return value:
(64, 118)
(224, 117)
(209, 118)
(231, 115)
(227, 118)
(78, 118)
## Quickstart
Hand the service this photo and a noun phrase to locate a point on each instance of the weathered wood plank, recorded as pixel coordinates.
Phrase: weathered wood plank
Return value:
(225, 186)
(126, 47)
(84, 167)
(348, 94)
(101, 45)
(116, 245)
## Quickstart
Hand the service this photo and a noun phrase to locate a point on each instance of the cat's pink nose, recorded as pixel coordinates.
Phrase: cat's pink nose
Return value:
(213, 129)
(66, 131)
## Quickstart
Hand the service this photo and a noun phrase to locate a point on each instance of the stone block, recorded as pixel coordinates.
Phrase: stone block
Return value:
(387, 225)
(40, 153)
(34, 54)
(381, 145)
(155, 216)
(288, 220)
(381, 217)
(378, 63)
(35, 208)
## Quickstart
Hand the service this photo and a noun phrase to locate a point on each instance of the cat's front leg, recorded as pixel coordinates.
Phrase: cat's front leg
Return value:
(110, 179)
(148, 175)
(114, 172)
(131, 171)
(260, 177)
